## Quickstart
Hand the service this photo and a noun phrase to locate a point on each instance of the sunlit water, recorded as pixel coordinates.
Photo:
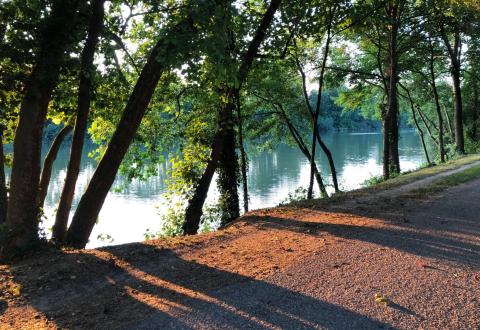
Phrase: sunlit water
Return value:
(128, 213)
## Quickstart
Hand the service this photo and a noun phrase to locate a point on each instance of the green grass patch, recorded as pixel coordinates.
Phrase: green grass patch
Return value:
(377, 184)
(407, 178)
(446, 182)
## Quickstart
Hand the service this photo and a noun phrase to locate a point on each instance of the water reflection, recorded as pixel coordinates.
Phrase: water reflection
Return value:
(127, 214)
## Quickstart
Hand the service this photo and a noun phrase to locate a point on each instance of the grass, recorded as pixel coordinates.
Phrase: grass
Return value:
(406, 178)
(446, 182)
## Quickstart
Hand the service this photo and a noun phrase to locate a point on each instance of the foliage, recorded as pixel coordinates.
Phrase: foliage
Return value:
(298, 195)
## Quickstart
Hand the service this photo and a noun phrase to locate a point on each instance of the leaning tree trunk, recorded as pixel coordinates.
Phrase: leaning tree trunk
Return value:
(48, 164)
(303, 148)
(193, 212)
(449, 124)
(87, 72)
(22, 215)
(311, 115)
(173, 46)
(316, 134)
(3, 184)
(417, 125)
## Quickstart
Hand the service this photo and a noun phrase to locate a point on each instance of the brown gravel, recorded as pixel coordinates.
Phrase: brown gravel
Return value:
(281, 268)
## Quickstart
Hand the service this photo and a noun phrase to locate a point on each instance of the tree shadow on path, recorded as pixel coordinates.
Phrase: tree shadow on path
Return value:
(156, 289)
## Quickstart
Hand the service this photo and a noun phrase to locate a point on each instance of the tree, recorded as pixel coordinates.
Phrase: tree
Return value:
(86, 76)
(22, 214)
(223, 146)
(177, 41)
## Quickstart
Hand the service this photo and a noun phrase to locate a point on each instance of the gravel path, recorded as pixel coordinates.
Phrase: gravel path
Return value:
(283, 268)
(427, 267)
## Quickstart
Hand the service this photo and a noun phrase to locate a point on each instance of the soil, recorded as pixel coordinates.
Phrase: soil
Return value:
(386, 262)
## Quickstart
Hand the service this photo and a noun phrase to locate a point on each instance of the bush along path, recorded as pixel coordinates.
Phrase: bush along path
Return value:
(404, 260)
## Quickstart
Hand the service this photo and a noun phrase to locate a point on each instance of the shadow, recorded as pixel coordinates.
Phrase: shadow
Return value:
(139, 286)
(142, 287)
(3, 306)
(402, 309)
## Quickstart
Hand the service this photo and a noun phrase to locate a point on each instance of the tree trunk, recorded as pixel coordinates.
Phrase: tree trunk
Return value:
(243, 155)
(386, 146)
(311, 115)
(331, 163)
(303, 148)
(195, 204)
(87, 72)
(316, 134)
(22, 215)
(437, 104)
(476, 109)
(457, 99)
(449, 123)
(193, 212)
(391, 123)
(425, 123)
(455, 70)
(48, 164)
(3, 184)
(417, 125)
(228, 165)
(172, 47)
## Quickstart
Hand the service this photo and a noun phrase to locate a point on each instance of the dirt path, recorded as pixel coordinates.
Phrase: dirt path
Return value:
(282, 268)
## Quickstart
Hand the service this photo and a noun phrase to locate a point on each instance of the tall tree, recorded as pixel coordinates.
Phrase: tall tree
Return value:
(177, 40)
(86, 76)
(22, 215)
(223, 146)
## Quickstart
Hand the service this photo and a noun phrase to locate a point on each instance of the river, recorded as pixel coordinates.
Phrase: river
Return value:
(129, 211)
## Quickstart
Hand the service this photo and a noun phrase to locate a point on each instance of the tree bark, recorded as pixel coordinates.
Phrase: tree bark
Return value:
(3, 184)
(437, 104)
(391, 122)
(311, 115)
(48, 164)
(449, 124)
(457, 96)
(304, 149)
(455, 71)
(174, 45)
(417, 125)
(243, 155)
(476, 109)
(427, 127)
(193, 212)
(228, 164)
(22, 215)
(386, 144)
(87, 72)
(316, 135)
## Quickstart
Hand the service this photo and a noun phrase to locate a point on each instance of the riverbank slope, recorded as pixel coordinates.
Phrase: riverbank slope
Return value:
(385, 256)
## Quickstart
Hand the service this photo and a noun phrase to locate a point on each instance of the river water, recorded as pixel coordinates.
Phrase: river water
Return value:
(128, 212)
